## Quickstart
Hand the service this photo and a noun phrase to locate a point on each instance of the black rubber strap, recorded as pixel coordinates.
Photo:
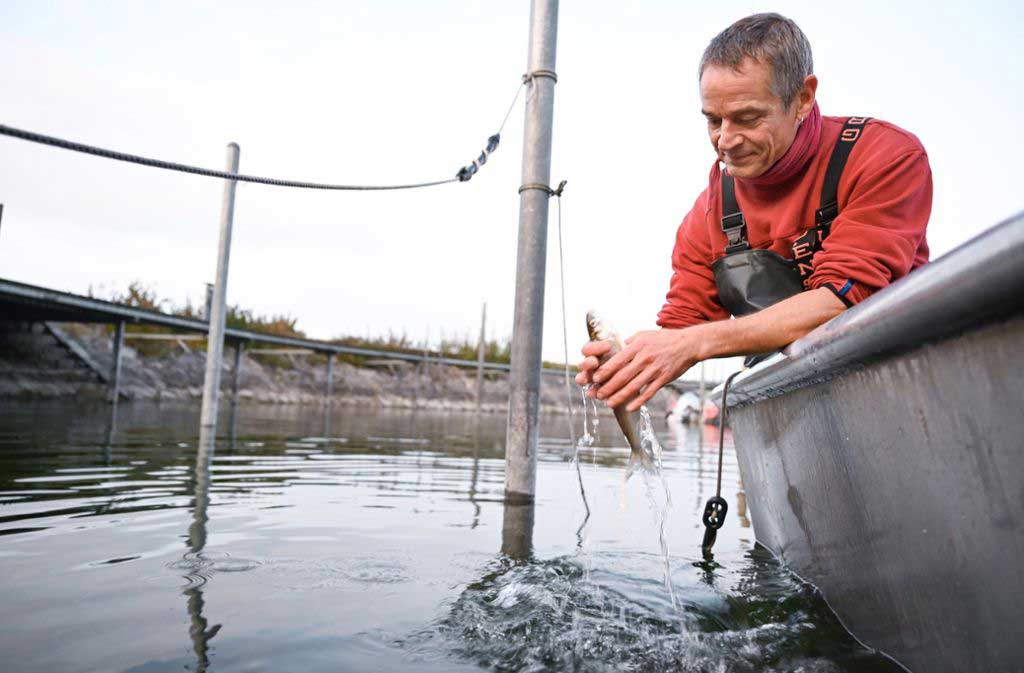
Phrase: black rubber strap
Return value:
(853, 129)
(842, 297)
(733, 225)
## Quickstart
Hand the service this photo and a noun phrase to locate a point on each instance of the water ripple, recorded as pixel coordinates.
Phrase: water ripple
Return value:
(199, 567)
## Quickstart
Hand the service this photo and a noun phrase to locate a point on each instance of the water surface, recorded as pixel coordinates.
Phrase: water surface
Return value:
(372, 541)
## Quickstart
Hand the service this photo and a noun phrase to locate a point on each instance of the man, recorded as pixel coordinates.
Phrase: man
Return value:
(812, 215)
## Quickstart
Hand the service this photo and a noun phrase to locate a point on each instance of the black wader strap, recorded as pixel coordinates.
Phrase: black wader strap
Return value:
(848, 137)
(733, 224)
(807, 245)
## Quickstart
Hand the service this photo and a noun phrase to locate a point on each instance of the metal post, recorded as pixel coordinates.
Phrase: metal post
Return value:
(115, 365)
(419, 383)
(527, 327)
(215, 340)
(422, 369)
(330, 378)
(517, 530)
(480, 359)
(236, 371)
(209, 302)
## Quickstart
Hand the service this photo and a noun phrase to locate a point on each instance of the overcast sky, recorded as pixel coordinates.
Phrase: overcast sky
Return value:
(394, 91)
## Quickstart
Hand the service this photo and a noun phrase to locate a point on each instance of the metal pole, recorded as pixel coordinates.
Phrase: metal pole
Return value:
(237, 369)
(419, 382)
(330, 378)
(480, 359)
(115, 365)
(527, 326)
(215, 339)
(209, 302)
(423, 366)
(517, 531)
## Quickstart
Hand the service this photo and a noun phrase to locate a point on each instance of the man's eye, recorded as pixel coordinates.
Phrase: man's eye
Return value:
(713, 121)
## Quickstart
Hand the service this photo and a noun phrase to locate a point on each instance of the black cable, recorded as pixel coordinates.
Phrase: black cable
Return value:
(716, 507)
(721, 429)
(195, 170)
(463, 175)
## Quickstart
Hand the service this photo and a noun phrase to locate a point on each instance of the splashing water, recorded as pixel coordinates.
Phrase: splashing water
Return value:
(587, 439)
(652, 477)
(589, 435)
(540, 617)
(649, 444)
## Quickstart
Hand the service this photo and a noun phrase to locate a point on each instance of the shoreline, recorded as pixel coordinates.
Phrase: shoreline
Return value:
(33, 366)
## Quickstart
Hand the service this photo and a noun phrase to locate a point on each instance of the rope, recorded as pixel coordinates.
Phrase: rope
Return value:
(467, 172)
(510, 107)
(544, 188)
(531, 79)
(195, 170)
(540, 72)
(463, 175)
(565, 345)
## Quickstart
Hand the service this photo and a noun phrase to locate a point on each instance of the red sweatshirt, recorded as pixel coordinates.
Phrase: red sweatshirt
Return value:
(885, 198)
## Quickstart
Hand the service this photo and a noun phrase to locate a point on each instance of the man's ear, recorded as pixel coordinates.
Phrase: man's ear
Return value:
(805, 99)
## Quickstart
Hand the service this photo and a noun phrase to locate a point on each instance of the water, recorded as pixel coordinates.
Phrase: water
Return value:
(372, 541)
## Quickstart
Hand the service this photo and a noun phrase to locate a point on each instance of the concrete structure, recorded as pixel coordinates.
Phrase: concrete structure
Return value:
(23, 303)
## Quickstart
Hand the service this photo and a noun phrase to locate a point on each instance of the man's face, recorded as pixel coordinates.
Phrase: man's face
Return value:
(749, 128)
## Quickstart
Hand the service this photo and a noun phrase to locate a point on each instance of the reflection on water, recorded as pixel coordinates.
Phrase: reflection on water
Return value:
(199, 631)
(517, 531)
(363, 541)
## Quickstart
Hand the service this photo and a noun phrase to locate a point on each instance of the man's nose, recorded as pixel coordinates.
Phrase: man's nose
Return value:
(728, 138)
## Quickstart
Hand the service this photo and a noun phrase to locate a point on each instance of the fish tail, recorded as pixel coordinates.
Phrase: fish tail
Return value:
(638, 459)
(631, 465)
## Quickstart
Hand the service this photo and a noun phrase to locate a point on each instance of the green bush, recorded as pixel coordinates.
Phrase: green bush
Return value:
(139, 295)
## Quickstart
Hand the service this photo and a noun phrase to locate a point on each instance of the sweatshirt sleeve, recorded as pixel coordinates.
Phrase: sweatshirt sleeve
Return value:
(874, 239)
(692, 296)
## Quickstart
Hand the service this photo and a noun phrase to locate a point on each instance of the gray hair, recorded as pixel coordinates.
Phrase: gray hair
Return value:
(767, 38)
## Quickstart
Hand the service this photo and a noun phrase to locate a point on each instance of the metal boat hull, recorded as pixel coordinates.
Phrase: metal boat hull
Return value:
(889, 470)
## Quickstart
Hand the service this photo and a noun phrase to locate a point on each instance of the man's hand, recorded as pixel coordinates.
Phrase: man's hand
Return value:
(652, 359)
(649, 361)
(592, 352)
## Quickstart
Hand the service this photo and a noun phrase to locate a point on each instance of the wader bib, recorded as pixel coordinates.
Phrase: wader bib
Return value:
(749, 280)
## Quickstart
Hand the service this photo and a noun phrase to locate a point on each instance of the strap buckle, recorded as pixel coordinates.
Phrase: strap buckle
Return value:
(734, 226)
(826, 214)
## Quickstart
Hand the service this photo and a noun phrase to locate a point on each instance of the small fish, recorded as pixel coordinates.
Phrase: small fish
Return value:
(628, 421)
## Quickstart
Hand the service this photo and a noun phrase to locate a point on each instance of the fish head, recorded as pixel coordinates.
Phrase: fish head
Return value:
(595, 327)
(599, 330)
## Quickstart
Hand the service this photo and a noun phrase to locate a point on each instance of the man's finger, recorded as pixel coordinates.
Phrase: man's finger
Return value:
(596, 348)
(652, 389)
(610, 387)
(632, 388)
(617, 361)
(587, 367)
